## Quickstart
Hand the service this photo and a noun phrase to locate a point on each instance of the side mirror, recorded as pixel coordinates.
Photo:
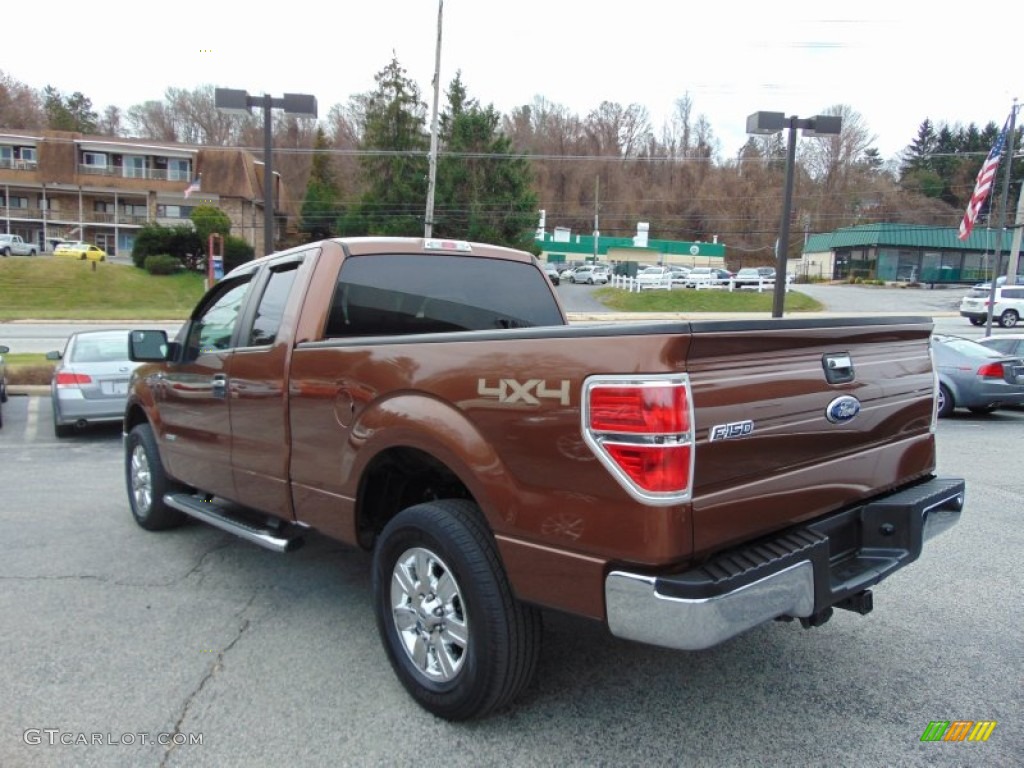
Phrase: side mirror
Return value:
(147, 346)
(53, 355)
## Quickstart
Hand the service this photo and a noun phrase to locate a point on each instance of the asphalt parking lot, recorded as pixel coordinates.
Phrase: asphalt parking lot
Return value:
(114, 636)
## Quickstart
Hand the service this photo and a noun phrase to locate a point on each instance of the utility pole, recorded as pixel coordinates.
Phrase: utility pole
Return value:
(428, 224)
(597, 230)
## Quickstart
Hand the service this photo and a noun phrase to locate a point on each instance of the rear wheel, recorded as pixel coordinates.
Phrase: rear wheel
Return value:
(1009, 318)
(983, 409)
(977, 321)
(148, 482)
(457, 638)
(61, 431)
(945, 403)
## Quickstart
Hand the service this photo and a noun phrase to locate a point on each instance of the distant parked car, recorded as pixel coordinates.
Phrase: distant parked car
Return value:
(707, 276)
(975, 377)
(754, 277)
(90, 381)
(3, 381)
(80, 251)
(654, 277)
(679, 275)
(1007, 310)
(590, 275)
(552, 272)
(566, 274)
(14, 245)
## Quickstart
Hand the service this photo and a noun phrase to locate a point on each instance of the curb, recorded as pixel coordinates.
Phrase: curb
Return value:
(31, 390)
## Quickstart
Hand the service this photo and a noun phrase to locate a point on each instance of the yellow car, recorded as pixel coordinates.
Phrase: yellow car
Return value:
(80, 251)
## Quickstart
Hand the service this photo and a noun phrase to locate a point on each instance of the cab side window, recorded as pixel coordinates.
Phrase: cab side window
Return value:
(271, 309)
(214, 328)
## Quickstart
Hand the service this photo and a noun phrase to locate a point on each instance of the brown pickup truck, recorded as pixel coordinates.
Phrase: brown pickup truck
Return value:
(427, 401)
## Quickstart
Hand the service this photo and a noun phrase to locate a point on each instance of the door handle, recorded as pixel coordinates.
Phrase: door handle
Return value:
(219, 383)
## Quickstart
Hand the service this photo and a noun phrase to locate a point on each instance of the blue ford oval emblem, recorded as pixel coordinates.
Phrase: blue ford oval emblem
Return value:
(843, 409)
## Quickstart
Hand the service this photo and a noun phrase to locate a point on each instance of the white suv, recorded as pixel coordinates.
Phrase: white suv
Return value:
(1007, 311)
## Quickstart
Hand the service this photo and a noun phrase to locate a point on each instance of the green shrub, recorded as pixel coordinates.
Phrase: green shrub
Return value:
(236, 252)
(162, 264)
(180, 241)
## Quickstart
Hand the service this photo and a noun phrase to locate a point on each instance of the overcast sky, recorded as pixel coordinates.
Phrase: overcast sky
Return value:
(894, 62)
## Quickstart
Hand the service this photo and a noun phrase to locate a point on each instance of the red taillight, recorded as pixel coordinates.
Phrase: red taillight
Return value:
(72, 379)
(648, 410)
(991, 371)
(655, 468)
(639, 427)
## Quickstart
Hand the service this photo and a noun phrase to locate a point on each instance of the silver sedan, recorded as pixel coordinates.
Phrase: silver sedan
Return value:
(975, 377)
(90, 381)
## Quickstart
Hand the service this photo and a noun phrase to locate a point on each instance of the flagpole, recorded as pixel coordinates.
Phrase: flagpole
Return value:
(1001, 223)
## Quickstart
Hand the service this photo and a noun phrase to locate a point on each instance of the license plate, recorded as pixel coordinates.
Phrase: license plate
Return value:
(114, 387)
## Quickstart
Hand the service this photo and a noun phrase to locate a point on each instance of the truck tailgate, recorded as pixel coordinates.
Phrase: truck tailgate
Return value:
(795, 418)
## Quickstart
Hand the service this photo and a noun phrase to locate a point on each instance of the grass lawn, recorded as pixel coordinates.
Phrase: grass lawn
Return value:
(44, 288)
(709, 300)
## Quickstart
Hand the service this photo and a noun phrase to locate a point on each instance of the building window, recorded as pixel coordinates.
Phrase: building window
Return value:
(17, 202)
(134, 167)
(133, 210)
(179, 170)
(48, 203)
(173, 211)
(28, 154)
(95, 159)
(101, 206)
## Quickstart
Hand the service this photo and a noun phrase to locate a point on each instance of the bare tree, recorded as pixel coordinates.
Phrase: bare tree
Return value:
(20, 106)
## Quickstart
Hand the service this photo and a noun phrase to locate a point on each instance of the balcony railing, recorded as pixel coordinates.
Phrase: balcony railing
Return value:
(131, 172)
(71, 217)
(18, 165)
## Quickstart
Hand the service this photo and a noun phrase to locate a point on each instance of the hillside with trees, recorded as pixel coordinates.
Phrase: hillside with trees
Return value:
(363, 168)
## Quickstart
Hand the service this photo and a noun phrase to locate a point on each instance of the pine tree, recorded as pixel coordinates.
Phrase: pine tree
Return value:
(320, 204)
(395, 169)
(483, 190)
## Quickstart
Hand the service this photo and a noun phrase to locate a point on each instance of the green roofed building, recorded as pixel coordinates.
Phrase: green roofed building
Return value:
(562, 246)
(903, 253)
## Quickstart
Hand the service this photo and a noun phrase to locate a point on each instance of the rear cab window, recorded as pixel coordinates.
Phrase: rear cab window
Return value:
(401, 294)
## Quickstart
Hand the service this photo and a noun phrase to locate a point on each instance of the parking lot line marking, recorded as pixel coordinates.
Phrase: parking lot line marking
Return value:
(32, 423)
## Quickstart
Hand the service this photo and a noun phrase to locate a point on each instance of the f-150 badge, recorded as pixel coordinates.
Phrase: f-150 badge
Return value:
(729, 431)
(529, 392)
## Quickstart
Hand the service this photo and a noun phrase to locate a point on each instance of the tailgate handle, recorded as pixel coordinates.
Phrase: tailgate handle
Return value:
(838, 367)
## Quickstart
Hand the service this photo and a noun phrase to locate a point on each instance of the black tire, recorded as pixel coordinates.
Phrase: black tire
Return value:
(147, 482)
(945, 405)
(1009, 318)
(982, 409)
(6, 252)
(60, 431)
(492, 654)
(977, 321)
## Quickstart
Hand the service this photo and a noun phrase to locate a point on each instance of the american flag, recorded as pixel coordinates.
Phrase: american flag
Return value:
(193, 187)
(986, 178)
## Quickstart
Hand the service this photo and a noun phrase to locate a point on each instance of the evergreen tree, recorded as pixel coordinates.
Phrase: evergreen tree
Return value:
(483, 192)
(320, 204)
(71, 113)
(395, 170)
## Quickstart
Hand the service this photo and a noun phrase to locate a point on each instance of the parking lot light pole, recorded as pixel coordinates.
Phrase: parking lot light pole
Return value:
(234, 101)
(768, 123)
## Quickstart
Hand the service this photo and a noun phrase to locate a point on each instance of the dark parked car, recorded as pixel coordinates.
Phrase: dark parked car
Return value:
(975, 377)
(90, 381)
